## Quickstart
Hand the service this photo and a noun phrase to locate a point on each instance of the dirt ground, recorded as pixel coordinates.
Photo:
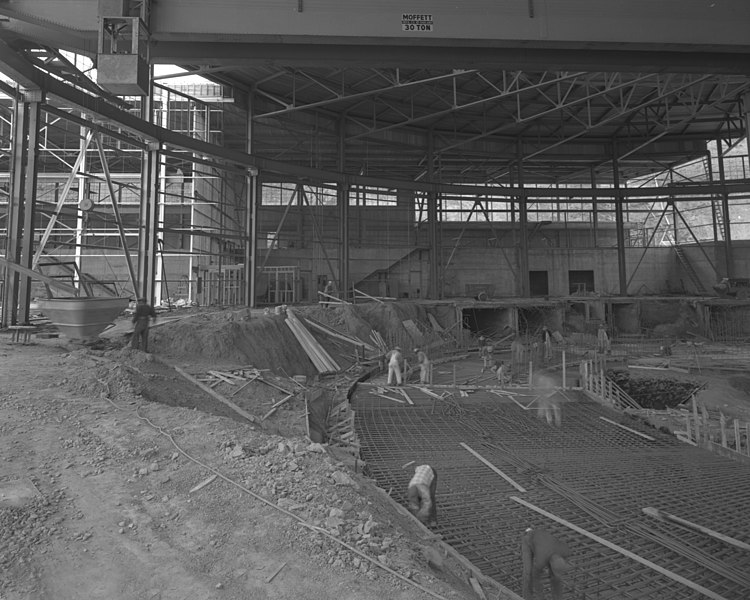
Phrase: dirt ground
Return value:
(121, 479)
(104, 450)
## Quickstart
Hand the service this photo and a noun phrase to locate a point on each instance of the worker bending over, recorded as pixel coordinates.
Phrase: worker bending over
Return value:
(501, 372)
(425, 366)
(421, 495)
(540, 550)
(395, 366)
(143, 312)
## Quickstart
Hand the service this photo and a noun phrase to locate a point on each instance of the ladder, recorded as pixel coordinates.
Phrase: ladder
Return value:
(683, 260)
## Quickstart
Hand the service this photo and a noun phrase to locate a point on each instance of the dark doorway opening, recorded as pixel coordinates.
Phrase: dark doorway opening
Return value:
(538, 283)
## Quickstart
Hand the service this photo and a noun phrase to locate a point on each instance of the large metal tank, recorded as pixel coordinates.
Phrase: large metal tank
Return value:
(82, 318)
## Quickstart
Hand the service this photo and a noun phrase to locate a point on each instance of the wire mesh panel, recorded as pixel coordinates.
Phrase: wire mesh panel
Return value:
(589, 473)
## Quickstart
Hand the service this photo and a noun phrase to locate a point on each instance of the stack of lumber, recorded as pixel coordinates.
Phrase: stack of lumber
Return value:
(340, 428)
(323, 361)
(338, 334)
(379, 341)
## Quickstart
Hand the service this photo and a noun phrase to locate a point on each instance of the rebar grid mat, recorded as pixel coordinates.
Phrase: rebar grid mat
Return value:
(588, 471)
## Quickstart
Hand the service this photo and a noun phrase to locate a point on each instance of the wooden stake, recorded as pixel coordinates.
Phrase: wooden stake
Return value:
(737, 440)
(659, 569)
(696, 420)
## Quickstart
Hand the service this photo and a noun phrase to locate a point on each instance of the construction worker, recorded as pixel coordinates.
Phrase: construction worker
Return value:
(395, 366)
(602, 340)
(501, 372)
(548, 408)
(425, 366)
(540, 550)
(485, 352)
(546, 344)
(143, 313)
(421, 495)
(327, 291)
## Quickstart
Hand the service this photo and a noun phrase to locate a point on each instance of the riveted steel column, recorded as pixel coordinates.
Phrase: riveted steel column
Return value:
(148, 233)
(22, 207)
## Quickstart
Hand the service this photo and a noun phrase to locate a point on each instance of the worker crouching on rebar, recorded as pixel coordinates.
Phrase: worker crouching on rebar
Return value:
(421, 495)
(501, 373)
(541, 550)
(395, 366)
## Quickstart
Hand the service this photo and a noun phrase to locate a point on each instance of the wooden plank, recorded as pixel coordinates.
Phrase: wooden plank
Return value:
(406, 396)
(435, 325)
(493, 467)
(413, 330)
(356, 291)
(244, 385)
(658, 568)
(643, 435)
(276, 406)
(389, 398)
(217, 396)
(338, 335)
(223, 377)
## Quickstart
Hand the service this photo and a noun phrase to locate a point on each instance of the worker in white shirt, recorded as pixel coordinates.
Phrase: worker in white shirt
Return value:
(421, 495)
(541, 550)
(395, 366)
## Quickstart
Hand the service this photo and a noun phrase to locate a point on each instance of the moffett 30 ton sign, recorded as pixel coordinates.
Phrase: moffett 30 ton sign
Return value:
(414, 22)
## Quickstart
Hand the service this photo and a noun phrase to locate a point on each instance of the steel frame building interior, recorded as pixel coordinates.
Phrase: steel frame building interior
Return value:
(548, 158)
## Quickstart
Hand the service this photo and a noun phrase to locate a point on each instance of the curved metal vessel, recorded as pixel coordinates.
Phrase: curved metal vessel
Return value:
(82, 318)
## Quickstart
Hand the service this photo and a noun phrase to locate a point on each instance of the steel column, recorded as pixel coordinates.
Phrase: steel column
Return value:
(435, 290)
(620, 224)
(147, 228)
(251, 211)
(342, 201)
(594, 207)
(725, 217)
(523, 258)
(21, 208)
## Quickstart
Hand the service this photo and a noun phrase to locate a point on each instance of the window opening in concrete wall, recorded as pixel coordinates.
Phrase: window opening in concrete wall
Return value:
(494, 323)
(538, 283)
(581, 282)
